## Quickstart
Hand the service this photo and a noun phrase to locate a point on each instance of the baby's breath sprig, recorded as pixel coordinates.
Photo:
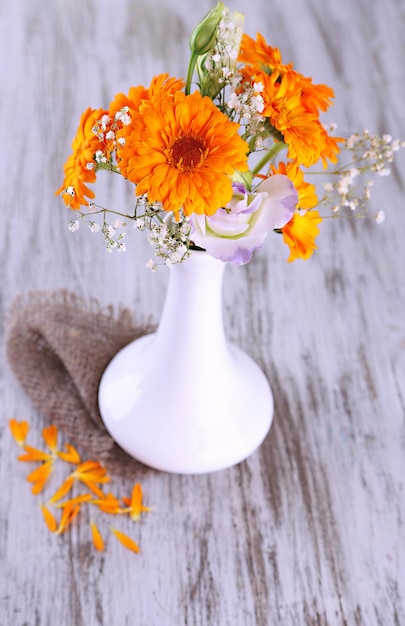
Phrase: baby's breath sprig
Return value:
(370, 155)
(169, 237)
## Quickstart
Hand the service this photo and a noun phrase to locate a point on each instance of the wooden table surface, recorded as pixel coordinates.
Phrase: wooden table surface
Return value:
(311, 528)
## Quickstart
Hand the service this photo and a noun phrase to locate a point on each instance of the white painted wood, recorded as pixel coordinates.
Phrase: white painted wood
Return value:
(310, 530)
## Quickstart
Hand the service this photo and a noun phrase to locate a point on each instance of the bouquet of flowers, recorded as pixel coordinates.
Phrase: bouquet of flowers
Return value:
(219, 166)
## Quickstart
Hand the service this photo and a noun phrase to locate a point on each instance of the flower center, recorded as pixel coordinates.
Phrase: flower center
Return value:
(187, 153)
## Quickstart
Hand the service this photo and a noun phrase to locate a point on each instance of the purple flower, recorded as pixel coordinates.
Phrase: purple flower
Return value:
(234, 232)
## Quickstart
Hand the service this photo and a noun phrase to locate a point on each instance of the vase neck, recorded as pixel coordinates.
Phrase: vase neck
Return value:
(192, 314)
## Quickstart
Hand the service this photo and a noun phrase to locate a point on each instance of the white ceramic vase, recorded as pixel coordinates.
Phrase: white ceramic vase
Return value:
(183, 399)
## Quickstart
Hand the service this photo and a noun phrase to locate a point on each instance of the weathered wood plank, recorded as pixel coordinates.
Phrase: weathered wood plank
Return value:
(309, 530)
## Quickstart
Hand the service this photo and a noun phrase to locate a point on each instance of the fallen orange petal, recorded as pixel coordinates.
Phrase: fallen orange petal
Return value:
(96, 490)
(39, 477)
(19, 430)
(108, 504)
(97, 538)
(63, 490)
(69, 513)
(135, 503)
(49, 519)
(125, 540)
(50, 435)
(84, 497)
(33, 454)
(87, 466)
(71, 456)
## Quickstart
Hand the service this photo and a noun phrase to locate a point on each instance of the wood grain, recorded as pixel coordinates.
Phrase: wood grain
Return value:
(310, 529)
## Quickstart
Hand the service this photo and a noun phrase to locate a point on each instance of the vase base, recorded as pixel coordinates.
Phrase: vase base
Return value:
(165, 425)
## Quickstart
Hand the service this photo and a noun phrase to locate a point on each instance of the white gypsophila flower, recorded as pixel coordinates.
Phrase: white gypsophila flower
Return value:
(105, 121)
(343, 185)
(94, 227)
(380, 217)
(330, 128)
(74, 225)
(117, 223)
(151, 265)
(100, 157)
(353, 173)
(139, 223)
(125, 119)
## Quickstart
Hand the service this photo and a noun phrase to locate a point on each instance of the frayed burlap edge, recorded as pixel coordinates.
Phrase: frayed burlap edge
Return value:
(58, 345)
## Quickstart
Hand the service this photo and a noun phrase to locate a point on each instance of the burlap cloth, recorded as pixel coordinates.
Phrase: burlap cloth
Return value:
(58, 345)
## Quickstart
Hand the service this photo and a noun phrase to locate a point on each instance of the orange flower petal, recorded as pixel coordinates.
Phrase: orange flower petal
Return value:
(97, 538)
(135, 503)
(49, 519)
(33, 454)
(19, 430)
(96, 490)
(84, 497)
(125, 540)
(93, 471)
(300, 234)
(62, 491)
(87, 465)
(50, 435)
(39, 477)
(69, 513)
(71, 456)
(108, 504)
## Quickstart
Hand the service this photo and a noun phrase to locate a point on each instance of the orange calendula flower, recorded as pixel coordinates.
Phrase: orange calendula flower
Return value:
(307, 197)
(96, 537)
(300, 129)
(125, 540)
(292, 103)
(184, 153)
(19, 430)
(125, 109)
(257, 54)
(300, 233)
(80, 166)
(134, 504)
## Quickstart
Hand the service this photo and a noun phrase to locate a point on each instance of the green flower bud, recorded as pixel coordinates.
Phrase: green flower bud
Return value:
(204, 35)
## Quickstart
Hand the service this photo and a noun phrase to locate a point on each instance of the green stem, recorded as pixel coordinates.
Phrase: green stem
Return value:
(270, 154)
(190, 71)
(110, 167)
